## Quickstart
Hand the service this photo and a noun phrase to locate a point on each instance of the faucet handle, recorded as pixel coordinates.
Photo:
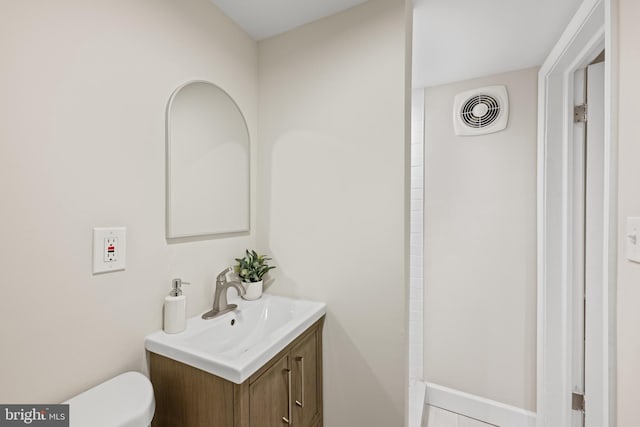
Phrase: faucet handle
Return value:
(222, 277)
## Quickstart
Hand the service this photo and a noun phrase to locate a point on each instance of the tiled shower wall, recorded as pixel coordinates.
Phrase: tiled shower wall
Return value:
(416, 237)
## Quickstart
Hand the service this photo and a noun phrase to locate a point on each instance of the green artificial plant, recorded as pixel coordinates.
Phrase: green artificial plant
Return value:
(252, 267)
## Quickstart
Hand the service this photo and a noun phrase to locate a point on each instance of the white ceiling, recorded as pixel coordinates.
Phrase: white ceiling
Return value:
(266, 18)
(456, 40)
(453, 40)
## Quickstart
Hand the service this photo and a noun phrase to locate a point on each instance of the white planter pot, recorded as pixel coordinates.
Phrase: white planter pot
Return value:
(253, 290)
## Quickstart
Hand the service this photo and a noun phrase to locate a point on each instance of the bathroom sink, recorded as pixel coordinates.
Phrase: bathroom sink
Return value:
(236, 344)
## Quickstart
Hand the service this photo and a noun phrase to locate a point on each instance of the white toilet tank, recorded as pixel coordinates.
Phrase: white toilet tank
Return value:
(123, 401)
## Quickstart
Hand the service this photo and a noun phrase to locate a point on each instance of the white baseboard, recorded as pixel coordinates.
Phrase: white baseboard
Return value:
(485, 410)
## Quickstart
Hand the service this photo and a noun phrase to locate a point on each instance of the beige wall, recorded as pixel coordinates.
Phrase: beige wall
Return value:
(480, 247)
(628, 205)
(83, 91)
(331, 189)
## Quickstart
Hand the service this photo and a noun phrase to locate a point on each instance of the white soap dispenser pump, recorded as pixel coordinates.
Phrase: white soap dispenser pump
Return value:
(175, 308)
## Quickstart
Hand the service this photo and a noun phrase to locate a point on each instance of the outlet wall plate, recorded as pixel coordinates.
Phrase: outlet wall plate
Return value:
(109, 249)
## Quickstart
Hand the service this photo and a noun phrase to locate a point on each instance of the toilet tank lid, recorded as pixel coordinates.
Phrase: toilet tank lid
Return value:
(123, 401)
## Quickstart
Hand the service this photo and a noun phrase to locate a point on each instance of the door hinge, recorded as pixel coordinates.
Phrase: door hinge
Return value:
(577, 402)
(580, 113)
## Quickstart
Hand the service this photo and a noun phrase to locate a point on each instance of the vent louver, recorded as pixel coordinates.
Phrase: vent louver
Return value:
(481, 111)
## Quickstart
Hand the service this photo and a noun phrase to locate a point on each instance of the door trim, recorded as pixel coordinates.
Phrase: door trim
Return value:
(590, 31)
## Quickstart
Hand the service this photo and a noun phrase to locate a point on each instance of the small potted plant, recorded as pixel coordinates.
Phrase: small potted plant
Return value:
(251, 269)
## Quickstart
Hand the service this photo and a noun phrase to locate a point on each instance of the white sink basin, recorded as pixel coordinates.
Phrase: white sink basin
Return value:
(236, 344)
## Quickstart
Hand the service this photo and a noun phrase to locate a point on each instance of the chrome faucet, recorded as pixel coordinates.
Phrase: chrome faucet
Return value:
(220, 303)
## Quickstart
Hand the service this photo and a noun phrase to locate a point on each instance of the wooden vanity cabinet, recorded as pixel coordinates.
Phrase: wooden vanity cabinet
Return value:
(286, 391)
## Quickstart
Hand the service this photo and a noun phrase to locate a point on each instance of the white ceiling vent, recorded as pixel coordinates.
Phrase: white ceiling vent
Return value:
(481, 111)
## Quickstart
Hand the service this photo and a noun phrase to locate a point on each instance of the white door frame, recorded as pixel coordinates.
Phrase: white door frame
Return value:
(590, 31)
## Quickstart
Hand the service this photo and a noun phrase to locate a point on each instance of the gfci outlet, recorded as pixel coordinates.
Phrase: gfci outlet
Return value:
(109, 249)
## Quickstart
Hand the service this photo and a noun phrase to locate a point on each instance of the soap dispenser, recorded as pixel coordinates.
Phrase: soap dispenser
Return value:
(175, 308)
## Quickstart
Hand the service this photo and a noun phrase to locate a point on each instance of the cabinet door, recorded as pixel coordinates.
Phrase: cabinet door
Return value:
(307, 386)
(269, 396)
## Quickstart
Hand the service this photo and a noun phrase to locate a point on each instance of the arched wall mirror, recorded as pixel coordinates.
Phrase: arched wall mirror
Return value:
(207, 163)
